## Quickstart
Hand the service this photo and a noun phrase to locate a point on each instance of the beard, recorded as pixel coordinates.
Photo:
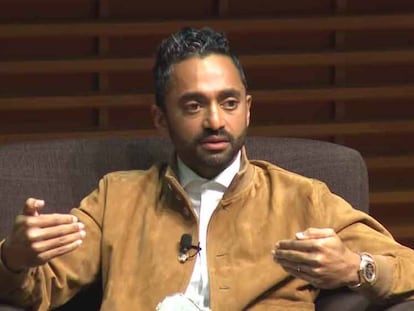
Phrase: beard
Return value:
(222, 158)
(208, 163)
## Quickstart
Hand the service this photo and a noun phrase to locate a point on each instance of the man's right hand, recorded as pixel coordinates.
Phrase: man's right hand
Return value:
(35, 238)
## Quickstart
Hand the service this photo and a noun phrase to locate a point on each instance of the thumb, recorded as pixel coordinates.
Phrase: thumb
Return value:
(315, 233)
(33, 206)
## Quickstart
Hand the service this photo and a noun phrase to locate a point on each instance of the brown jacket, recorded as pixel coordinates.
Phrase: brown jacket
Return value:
(135, 219)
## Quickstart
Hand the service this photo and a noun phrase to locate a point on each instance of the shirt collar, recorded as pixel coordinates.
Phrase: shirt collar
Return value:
(187, 175)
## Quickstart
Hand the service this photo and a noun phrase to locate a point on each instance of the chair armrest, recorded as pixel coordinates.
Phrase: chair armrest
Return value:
(402, 306)
(341, 299)
(345, 300)
(4, 307)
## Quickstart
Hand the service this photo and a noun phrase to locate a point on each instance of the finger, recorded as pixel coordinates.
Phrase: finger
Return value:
(46, 220)
(291, 256)
(307, 274)
(58, 242)
(301, 245)
(301, 271)
(295, 268)
(33, 206)
(39, 234)
(55, 252)
(295, 257)
(315, 233)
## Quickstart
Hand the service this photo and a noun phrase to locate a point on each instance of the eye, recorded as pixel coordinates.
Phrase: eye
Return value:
(230, 104)
(192, 107)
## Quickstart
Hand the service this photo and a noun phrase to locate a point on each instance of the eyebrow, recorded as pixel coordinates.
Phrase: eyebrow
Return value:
(199, 96)
(229, 93)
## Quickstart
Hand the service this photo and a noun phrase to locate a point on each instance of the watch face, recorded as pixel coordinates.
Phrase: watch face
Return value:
(369, 272)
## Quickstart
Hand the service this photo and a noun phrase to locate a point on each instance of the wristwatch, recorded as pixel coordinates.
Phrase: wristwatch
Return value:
(367, 271)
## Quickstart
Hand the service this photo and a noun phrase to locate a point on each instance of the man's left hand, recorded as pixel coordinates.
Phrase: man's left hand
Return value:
(319, 257)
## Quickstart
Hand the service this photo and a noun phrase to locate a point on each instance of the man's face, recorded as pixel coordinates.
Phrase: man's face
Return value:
(207, 113)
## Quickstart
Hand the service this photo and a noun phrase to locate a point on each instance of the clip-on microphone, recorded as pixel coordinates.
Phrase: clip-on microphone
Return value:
(186, 244)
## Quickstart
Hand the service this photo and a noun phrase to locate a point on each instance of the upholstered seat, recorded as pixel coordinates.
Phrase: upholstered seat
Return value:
(62, 172)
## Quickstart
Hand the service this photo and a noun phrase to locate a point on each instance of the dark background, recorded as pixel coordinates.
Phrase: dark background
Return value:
(338, 70)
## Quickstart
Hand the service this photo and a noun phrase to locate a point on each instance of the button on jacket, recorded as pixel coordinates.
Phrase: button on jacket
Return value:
(135, 219)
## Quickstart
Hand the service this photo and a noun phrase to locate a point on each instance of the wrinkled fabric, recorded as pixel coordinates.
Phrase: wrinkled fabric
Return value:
(135, 219)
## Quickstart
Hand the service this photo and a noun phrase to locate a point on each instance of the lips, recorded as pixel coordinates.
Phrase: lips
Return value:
(215, 143)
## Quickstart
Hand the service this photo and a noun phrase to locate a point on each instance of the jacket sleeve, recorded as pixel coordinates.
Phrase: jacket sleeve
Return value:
(55, 282)
(362, 233)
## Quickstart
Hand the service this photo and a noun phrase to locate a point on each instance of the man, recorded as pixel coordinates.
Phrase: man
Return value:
(268, 239)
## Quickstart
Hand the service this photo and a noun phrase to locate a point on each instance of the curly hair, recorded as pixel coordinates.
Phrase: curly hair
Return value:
(184, 44)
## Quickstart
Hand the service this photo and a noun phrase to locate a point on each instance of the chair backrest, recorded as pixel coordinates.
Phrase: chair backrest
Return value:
(62, 172)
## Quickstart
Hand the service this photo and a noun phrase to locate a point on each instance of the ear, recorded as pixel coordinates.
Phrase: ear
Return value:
(160, 120)
(248, 105)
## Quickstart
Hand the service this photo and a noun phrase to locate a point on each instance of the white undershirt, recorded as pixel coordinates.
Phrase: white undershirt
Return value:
(204, 196)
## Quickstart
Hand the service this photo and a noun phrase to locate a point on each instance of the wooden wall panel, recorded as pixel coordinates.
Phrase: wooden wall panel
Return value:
(13, 10)
(158, 9)
(274, 77)
(46, 84)
(134, 46)
(335, 70)
(298, 113)
(381, 39)
(47, 48)
(386, 146)
(380, 6)
(263, 8)
(269, 42)
(40, 121)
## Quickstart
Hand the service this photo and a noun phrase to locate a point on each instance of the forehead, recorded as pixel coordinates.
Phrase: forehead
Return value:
(207, 74)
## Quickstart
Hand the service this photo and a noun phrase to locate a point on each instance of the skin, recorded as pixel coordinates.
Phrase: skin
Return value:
(35, 238)
(318, 256)
(207, 112)
(206, 116)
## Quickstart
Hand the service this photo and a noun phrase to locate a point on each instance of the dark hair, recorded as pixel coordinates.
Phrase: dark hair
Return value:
(184, 44)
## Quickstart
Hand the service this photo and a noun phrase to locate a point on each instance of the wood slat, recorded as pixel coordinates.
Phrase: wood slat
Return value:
(145, 64)
(332, 129)
(400, 231)
(335, 93)
(293, 130)
(125, 28)
(75, 101)
(93, 133)
(330, 58)
(386, 162)
(141, 100)
(76, 65)
(392, 197)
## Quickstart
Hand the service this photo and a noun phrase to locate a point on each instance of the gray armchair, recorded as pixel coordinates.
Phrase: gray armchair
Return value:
(62, 172)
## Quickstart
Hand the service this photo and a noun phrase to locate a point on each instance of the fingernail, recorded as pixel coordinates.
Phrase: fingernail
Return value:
(82, 233)
(74, 219)
(81, 226)
(39, 203)
(300, 235)
(79, 242)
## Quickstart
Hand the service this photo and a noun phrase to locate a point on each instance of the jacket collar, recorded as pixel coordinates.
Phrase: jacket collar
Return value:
(240, 182)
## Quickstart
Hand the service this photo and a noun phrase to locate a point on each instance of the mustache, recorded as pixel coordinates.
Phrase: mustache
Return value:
(209, 132)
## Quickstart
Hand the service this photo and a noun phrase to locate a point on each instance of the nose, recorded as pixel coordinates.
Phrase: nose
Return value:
(214, 118)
